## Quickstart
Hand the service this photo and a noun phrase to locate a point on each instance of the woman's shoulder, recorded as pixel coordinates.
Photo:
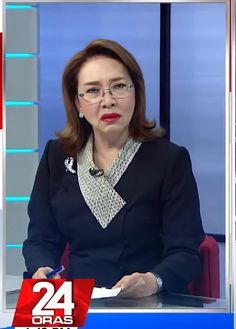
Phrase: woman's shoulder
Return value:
(161, 145)
(162, 152)
(54, 150)
(54, 145)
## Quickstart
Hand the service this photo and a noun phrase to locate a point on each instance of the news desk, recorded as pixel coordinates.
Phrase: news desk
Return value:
(160, 301)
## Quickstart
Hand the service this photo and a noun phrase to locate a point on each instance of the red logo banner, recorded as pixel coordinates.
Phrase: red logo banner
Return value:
(53, 303)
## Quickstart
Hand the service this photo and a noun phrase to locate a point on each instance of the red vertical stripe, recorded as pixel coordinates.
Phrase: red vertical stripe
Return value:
(1, 79)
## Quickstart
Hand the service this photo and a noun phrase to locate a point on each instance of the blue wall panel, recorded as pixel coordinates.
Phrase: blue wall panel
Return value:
(198, 41)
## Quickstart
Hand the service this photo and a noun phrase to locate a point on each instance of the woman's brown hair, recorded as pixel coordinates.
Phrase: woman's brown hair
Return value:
(77, 131)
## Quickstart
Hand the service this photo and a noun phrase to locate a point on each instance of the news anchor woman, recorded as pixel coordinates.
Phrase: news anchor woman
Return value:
(121, 196)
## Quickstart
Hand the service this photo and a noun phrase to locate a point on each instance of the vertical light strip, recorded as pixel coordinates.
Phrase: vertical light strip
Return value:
(233, 116)
(2, 235)
(1, 83)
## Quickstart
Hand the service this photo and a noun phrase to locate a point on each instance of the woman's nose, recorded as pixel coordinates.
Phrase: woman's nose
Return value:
(108, 99)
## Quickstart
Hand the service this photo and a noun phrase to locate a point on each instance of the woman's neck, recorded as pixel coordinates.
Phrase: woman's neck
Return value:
(102, 143)
(106, 149)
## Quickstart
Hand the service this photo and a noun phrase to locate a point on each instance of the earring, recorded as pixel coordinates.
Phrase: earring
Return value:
(81, 115)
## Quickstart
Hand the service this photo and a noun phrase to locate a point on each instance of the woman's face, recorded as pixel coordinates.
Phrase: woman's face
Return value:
(110, 115)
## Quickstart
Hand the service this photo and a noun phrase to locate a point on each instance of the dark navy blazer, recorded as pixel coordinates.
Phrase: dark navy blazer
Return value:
(159, 229)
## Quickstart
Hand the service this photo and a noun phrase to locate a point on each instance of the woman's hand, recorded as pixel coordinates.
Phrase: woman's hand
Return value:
(42, 271)
(137, 285)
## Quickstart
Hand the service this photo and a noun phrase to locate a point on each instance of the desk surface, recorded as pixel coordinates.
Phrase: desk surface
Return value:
(161, 301)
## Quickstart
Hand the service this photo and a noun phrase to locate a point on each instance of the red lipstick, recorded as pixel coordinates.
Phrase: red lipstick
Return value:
(110, 117)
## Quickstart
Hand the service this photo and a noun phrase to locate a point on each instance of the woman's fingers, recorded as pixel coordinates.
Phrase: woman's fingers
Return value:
(137, 285)
(127, 281)
(42, 271)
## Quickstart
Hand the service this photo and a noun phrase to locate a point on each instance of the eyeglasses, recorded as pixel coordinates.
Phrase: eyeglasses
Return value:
(95, 95)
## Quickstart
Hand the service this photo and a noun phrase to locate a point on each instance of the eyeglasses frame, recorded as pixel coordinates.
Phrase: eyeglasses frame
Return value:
(129, 87)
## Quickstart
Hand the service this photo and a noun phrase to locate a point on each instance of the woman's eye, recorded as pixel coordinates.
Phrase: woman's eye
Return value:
(92, 91)
(119, 86)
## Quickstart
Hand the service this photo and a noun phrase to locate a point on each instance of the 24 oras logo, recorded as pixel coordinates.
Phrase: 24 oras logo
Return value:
(61, 299)
(53, 303)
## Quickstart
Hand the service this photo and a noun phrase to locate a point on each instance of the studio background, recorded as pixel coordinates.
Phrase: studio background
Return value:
(40, 39)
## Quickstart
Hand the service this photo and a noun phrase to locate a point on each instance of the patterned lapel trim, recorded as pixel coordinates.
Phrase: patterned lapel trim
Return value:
(98, 192)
